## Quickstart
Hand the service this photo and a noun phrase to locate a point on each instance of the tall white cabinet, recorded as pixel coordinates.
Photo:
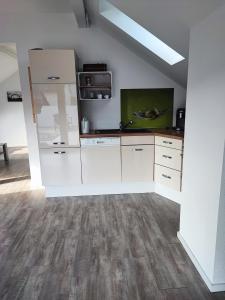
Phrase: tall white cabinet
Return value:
(53, 77)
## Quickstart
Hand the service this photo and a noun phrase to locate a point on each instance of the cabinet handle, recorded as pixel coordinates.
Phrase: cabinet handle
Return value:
(53, 77)
(59, 152)
(165, 142)
(139, 149)
(100, 142)
(59, 143)
(166, 156)
(166, 176)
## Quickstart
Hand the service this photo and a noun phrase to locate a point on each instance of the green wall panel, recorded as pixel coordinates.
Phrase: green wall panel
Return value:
(147, 108)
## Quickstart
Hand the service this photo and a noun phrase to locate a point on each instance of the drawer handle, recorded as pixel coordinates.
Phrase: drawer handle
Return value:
(59, 152)
(53, 77)
(165, 142)
(59, 143)
(100, 142)
(139, 149)
(166, 156)
(166, 176)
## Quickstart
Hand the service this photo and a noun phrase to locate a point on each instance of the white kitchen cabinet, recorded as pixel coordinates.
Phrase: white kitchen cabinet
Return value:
(137, 163)
(101, 163)
(60, 166)
(52, 66)
(56, 114)
(168, 157)
(137, 140)
(168, 177)
(169, 142)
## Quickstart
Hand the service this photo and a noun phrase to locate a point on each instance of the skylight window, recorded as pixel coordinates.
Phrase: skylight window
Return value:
(139, 33)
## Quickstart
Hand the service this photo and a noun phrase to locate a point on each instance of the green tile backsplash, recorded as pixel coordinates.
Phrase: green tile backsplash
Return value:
(147, 108)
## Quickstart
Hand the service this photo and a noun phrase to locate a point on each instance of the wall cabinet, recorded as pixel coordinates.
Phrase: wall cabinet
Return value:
(137, 163)
(56, 114)
(60, 166)
(52, 66)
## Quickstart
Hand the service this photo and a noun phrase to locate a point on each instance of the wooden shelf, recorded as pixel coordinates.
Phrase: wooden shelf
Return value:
(90, 84)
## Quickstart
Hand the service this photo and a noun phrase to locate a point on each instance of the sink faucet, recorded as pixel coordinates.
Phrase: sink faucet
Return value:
(122, 127)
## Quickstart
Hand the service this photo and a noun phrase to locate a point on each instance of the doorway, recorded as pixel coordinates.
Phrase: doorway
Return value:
(14, 162)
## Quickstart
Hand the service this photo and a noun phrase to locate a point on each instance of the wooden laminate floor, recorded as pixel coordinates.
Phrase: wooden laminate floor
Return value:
(93, 248)
(17, 168)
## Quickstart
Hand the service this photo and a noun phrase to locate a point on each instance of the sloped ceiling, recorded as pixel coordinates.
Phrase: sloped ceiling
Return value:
(170, 20)
(8, 61)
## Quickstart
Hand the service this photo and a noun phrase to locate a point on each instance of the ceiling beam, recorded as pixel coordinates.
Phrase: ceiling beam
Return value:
(80, 12)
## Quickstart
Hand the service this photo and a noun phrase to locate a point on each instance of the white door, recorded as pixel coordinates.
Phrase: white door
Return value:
(52, 66)
(57, 114)
(101, 164)
(60, 166)
(137, 163)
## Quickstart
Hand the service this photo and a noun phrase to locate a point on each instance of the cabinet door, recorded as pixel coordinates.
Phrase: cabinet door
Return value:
(101, 164)
(60, 166)
(57, 114)
(137, 163)
(52, 66)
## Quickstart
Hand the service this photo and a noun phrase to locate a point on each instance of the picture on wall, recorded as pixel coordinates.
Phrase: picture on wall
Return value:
(14, 96)
(147, 108)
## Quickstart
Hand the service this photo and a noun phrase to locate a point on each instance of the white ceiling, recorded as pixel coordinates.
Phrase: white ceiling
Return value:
(170, 20)
(8, 61)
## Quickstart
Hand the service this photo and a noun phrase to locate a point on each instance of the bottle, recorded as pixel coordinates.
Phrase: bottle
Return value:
(84, 125)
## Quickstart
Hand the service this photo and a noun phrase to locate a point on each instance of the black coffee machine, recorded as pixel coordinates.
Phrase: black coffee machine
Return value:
(180, 119)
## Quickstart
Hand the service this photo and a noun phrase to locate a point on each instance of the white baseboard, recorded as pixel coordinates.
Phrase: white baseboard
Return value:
(99, 189)
(213, 287)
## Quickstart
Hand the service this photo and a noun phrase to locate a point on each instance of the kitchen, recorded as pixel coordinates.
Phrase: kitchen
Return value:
(79, 159)
(96, 220)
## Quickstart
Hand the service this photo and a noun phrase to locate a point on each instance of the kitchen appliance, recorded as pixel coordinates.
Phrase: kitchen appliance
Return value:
(101, 160)
(180, 119)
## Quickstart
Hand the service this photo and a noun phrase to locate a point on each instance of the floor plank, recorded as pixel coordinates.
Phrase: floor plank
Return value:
(93, 248)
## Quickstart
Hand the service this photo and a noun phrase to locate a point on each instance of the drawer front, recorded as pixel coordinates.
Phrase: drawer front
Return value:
(169, 142)
(137, 163)
(52, 66)
(137, 140)
(168, 157)
(60, 166)
(168, 177)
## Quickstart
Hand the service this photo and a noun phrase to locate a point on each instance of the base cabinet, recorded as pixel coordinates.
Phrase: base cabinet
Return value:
(60, 166)
(101, 164)
(168, 177)
(137, 163)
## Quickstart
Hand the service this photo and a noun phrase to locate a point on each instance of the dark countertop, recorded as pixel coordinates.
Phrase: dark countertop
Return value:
(166, 133)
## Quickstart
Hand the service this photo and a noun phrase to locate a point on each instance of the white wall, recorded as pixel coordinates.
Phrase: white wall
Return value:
(59, 31)
(202, 208)
(12, 129)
